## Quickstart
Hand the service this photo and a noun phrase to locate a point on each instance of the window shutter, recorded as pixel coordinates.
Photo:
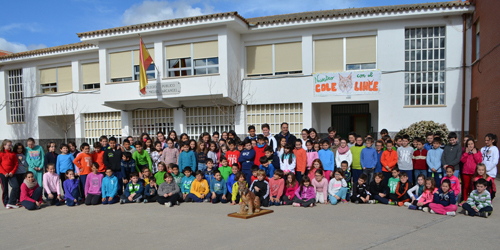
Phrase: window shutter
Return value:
(121, 64)
(288, 57)
(48, 76)
(90, 73)
(361, 50)
(259, 59)
(179, 51)
(329, 55)
(64, 79)
(205, 50)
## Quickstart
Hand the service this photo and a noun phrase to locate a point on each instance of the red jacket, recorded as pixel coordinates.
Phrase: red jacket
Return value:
(232, 157)
(301, 160)
(470, 162)
(98, 157)
(8, 162)
(419, 159)
(26, 193)
(259, 152)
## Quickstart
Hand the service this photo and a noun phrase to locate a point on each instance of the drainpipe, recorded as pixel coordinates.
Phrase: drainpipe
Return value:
(464, 57)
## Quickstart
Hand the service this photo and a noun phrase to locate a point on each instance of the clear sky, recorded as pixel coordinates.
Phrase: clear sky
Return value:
(33, 24)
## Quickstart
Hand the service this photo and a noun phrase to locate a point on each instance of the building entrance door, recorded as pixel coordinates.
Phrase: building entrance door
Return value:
(351, 117)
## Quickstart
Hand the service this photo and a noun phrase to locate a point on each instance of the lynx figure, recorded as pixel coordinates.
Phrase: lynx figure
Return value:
(248, 198)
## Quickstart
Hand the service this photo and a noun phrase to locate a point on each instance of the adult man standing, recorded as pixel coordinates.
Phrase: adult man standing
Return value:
(284, 133)
(266, 131)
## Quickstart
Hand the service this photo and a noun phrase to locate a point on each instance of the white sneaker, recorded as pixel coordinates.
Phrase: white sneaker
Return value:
(168, 204)
(451, 213)
(407, 204)
(371, 202)
(205, 200)
(425, 209)
(432, 211)
(9, 206)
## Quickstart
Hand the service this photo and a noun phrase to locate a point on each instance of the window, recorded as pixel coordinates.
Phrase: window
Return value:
(150, 72)
(57, 79)
(477, 40)
(151, 121)
(360, 53)
(275, 114)
(124, 66)
(99, 124)
(329, 55)
(193, 59)
(274, 59)
(425, 66)
(209, 119)
(90, 76)
(16, 96)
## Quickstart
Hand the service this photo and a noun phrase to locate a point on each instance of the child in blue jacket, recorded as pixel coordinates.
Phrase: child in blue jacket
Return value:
(133, 191)
(186, 182)
(327, 158)
(434, 162)
(109, 188)
(187, 158)
(246, 160)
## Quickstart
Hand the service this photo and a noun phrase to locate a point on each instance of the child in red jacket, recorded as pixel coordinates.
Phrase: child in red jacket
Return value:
(259, 149)
(8, 168)
(419, 159)
(31, 192)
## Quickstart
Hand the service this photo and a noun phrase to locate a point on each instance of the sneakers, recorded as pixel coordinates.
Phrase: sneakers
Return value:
(312, 205)
(412, 207)
(356, 202)
(177, 203)
(206, 200)
(391, 203)
(371, 202)
(400, 203)
(168, 204)
(451, 213)
(461, 203)
(138, 201)
(466, 212)
(146, 201)
(9, 206)
(295, 204)
(484, 214)
(425, 209)
(344, 201)
(122, 201)
(407, 204)
(432, 212)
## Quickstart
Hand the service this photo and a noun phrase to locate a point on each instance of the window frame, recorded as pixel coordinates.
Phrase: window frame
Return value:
(192, 68)
(274, 73)
(425, 58)
(16, 111)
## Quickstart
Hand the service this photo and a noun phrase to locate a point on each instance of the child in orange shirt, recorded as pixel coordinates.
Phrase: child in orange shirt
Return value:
(388, 160)
(97, 156)
(84, 163)
(300, 160)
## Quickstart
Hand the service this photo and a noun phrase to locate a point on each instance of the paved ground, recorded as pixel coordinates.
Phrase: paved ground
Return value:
(206, 226)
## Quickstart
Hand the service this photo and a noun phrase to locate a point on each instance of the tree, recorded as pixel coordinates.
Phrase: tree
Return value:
(65, 115)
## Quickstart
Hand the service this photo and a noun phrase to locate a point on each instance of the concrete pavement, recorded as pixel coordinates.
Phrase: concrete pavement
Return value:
(153, 226)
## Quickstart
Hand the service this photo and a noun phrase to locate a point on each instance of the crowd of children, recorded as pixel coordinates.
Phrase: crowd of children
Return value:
(280, 170)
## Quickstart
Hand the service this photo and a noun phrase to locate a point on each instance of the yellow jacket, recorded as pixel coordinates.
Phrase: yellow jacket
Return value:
(200, 187)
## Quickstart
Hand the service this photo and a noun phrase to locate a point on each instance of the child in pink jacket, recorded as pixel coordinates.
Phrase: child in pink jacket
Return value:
(305, 195)
(311, 155)
(276, 187)
(291, 186)
(455, 182)
(93, 186)
(427, 196)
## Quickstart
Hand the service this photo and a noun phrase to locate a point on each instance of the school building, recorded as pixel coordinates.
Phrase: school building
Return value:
(357, 69)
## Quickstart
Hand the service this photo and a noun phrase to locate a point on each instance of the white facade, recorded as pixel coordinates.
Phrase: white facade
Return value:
(230, 88)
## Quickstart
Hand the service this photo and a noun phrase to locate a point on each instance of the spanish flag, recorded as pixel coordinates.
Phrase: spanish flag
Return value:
(144, 62)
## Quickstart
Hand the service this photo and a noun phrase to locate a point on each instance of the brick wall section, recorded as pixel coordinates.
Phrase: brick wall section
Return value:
(486, 72)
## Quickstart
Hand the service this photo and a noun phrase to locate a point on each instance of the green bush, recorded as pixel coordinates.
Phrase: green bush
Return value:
(419, 129)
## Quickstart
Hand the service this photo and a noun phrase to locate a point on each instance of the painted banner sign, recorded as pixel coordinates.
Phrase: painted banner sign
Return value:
(362, 82)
